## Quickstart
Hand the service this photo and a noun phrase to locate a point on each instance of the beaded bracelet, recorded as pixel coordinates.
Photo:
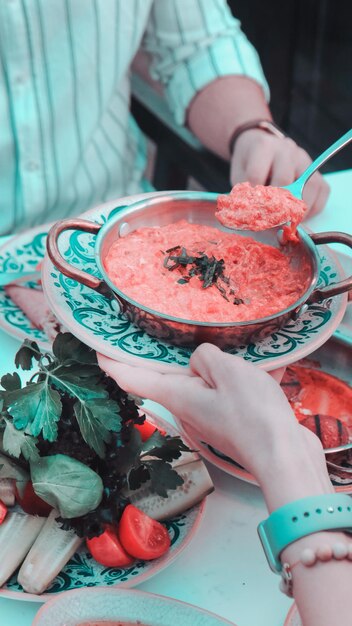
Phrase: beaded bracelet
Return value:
(310, 557)
(303, 517)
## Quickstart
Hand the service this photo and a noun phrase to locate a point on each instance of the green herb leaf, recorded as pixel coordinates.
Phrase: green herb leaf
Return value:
(68, 485)
(138, 476)
(9, 469)
(36, 408)
(27, 352)
(164, 447)
(163, 477)
(68, 349)
(96, 417)
(11, 382)
(17, 442)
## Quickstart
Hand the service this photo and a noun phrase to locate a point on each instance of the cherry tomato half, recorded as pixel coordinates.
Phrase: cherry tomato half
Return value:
(142, 536)
(107, 550)
(147, 429)
(31, 503)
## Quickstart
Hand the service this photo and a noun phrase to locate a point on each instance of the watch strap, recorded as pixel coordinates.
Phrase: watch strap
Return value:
(300, 518)
(266, 125)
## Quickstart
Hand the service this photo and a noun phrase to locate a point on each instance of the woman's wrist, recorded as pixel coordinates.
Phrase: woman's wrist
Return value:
(296, 470)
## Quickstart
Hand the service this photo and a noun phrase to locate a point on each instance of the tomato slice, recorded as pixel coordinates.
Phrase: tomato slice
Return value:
(147, 429)
(107, 550)
(3, 511)
(142, 536)
(31, 503)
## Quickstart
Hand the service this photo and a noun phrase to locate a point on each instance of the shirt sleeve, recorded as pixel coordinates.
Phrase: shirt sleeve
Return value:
(193, 42)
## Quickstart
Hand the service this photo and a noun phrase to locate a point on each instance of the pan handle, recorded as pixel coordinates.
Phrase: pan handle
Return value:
(56, 257)
(343, 285)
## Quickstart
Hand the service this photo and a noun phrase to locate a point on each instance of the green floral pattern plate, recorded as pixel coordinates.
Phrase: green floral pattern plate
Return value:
(83, 571)
(98, 322)
(22, 253)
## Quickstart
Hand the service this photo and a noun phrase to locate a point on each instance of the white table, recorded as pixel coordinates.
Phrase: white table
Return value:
(223, 569)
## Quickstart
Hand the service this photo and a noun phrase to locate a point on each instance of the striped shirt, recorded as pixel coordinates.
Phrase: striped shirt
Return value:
(67, 138)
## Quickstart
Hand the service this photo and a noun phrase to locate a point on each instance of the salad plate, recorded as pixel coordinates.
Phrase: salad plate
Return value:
(75, 608)
(98, 322)
(83, 571)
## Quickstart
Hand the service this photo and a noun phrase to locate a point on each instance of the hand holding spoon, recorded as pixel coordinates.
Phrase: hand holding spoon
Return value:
(260, 208)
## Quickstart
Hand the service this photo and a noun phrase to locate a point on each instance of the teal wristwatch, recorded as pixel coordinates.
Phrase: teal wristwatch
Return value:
(300, 518)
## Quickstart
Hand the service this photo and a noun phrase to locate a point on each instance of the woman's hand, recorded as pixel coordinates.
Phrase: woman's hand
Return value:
(263, 159)
(231, 404)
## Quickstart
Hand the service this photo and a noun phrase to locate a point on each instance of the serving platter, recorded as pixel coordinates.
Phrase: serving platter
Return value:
(333, 358)
(137, 607)
(83, 571)
(98, 322)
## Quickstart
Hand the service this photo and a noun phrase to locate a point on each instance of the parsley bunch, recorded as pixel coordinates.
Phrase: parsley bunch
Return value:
(72, 427)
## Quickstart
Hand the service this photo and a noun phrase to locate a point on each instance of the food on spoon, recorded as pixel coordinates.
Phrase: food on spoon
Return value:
(73, 440)
(197, 272)
(142, 536)
(260, 207)
(17, 534)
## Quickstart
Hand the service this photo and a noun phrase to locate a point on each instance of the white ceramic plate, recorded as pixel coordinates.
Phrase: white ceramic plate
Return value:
(139, 607)
(97, 321)
(83, 571)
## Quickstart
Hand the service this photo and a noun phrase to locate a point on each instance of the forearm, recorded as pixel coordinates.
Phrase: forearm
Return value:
(222, 106)
(292, 477)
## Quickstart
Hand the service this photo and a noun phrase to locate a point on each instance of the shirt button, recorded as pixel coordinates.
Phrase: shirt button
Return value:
(19, 79)
(32, 166)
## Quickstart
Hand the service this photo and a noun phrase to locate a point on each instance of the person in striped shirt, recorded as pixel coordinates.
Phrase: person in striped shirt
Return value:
(67, 138)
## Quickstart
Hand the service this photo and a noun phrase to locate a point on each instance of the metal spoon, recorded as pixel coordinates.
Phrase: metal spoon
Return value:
(296, 188)
(346, 446)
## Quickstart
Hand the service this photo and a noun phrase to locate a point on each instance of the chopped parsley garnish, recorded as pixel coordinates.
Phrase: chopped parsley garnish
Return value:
(208, 269)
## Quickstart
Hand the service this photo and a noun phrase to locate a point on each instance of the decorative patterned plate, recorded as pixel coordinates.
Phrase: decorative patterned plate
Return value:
(97, 321)
(137, 607)
(228, 465)
(293, 618)
(22, 252)
(83, 571)
(344, 332)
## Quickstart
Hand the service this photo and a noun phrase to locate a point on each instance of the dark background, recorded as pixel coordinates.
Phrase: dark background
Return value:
(305, 48)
